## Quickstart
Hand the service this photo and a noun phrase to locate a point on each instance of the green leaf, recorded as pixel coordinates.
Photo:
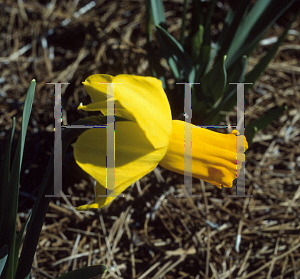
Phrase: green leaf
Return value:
(229, 100)
(20, 237)
(197, 40)
(149, 21)
(158, 12)
(3, 257)
(229, 97)
(85, 272)
(237, 74)
(158, 18)
(256, 125)
(41, 205)
(179, 62)
(205, 50)
(209, 87)
(11, 205)
(210, 94)
(36, 222)
(260, 67)
(171, 49)
(231, 24)
(261, 16)
(5, 176)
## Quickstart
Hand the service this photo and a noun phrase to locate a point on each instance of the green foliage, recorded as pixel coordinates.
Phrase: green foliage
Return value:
(3, 257)
(16, 263)
(261, 123)
(195, 59)
(10, 189)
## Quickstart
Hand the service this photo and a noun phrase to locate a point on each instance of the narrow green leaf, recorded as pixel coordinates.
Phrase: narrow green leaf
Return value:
(171, 49)
(200, 104)
(179, 62)
(229, 97)
(197, 40)
(210, 93)
(210, 88)
(5, 176)
(154, 60)
(204, 57)
(259, 124)
(158, 16)
(214, 117)
(229, 100)
(262, 15)
(85, 272)
(231, 24)
(41, 205)
(244, 27)
(11, 205)
(20, 237)
(36, 222)
(3, 257)
(149, 21)
(204, 60)
(158, 13)
(260, 67)
(237, 74)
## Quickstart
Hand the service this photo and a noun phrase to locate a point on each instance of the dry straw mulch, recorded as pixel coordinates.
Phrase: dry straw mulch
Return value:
(150, 233)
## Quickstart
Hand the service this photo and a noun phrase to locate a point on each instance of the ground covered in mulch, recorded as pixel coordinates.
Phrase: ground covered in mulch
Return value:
(150, 233)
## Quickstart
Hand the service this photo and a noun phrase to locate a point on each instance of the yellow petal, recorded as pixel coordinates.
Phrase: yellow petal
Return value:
(135, 156)
(214, 155)
(139, 98)
(96, 87)
(102, 106)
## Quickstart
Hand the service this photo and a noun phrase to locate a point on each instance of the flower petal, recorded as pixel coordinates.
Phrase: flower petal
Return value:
(135, 156)
(140, 98)
(102, 106)
(214, 156)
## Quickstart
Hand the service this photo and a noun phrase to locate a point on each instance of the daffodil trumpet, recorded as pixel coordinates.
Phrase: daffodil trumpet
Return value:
(149, 137)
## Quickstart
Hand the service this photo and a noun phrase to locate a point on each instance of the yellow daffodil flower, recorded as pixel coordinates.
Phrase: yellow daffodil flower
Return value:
(149, 137)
